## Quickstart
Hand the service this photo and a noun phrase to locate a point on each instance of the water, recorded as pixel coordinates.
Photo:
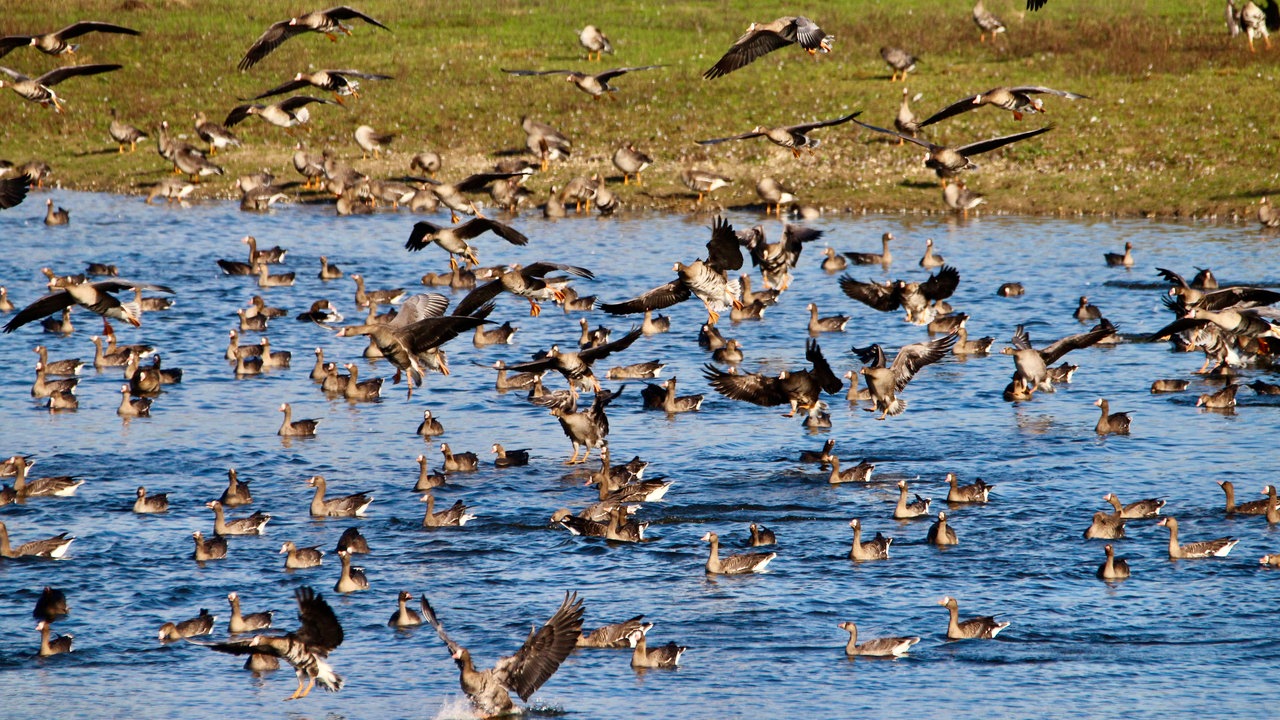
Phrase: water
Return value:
(1183, 637)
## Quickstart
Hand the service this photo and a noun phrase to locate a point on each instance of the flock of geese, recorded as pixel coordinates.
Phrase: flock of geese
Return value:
(1233, 327)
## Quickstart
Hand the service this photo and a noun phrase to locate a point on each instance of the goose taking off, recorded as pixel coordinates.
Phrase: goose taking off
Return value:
(800, 389)
(1017, 100)
(596, 85)
(763, 38)
(55, 43)
(885, 382)
(94, 296)
(37, 90)
(339, 82)
(792, 137)
(328, 22)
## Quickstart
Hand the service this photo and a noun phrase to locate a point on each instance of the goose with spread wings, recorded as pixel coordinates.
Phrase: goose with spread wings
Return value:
(792, 137)
(1032, 365)
(707, 279)
(947, 162)
(454, 239)
(760, 39)
(523, 672)
(306, 649)
(528, 281)
(776, 260)
(799, 389)
(596, 85)
(96, 296)
(55, 43)
(885, 381)
(287, 113)
(1017, 100)
(918, 299)
(13, 190)
(341, 83)
(38, 90)
(576, 366)
(328, 22)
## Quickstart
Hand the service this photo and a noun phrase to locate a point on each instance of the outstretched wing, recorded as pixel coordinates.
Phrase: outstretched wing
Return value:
(320, 629)
(755, 43)
(282, 89)
(743, 136)
(1172, 277)
(942, 284)
(268, 42)
(87, 26)
(45, 306)
(297, 101)
(478, 226)
(543, 651)
(1041, 90)
(988, 145)
(821, 369)
(419, 307)
(238, 114)
(663, 296)
(1238, 298)
(433, 332)
(57, 75)
(608, 75)
(881, 297)
(528, 73)
(1056, 350)
(346, 12)
(916, 355)
(430, 614)
(908, 138)
(600, 351)
(806, 127)
(955, 108)
(724, 253)
(13, 191)
(752, 387)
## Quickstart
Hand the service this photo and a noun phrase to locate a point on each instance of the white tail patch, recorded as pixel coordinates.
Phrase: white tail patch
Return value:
(326, 677)
(61, 550)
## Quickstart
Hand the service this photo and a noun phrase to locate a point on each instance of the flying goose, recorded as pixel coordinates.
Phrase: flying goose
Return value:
(763, 38)
(38, 90)
(894, 647)
(596, 85)
(885, 382)
(341, 83)
(918, 299)
(287, 113)
(734, 564)
(983, 628)
(707, 279)
(1032, 365)
(1017, 100)
(1203, 549)
(792, 137)
(523, 672)
(454, 239)
(576, 367)
(55, 43)
(947, 162)
(93, 295)
(775, 260)
(328, 22)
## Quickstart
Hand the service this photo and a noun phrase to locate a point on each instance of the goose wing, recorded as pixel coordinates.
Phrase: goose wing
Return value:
(57, 75)
(822, 372)
(84, 27)
(918, 141)
(282, 89)
(988, 145)
(753, 44)
(543, 651)
(743, 136)
(942, 284)
(592, 354)
(881, 296)
(346, 12)
(13, 191)
(271, 39)
(608, 75)
(752, 387)
(955, 108)
(45, 306)
(320, 629)
(1042, 90)
(724, 252)
(479, 226)
(912, 357)
(663, 296)
(806, 127)
(1054, 351)
(419, 307)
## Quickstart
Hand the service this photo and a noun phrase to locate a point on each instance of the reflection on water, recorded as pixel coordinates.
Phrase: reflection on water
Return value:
(765, 645)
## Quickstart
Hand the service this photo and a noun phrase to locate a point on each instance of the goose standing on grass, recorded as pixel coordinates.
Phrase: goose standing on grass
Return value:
(906, 121)
(53, 548)
(371, 141)
(774, 194)
(703, 182)
(874, 549)
(763, 38)
(54, 646)
(217, 136)
(983, 628)
(523, 672)
(329, 22)
(1110, 423)
(987, 22)
(295, 428)
(894, 647)
(595, 42)
(93, 295)
(661, 657)
(404, 616)
(1113, 568)
(353, 505)
(154, 503)
(297, 558)
(124, 133)
(251, 525)
(1219, 547)
(900, 61)
(734, 564)
(631, 162)
(38, 90)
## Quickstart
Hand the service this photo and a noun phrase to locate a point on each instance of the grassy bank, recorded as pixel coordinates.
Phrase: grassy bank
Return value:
(1182, 121)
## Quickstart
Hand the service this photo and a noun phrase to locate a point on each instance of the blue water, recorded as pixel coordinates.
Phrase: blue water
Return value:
(1179, 637)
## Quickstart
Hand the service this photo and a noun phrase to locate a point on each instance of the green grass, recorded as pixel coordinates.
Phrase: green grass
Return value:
(1182, 121)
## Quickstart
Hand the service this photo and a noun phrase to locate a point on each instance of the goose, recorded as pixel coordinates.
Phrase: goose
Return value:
(576, 367)
(734, 564)
(907, 510)
(1111, 423)
(93, 295)
(1271, 511)
(381, 297)
(978, 492)
(595, 42)
(297, 558)
(905, 121)
(575, 303)
(654, 326)
(54, 548)
(983, 628)
(367, 390)
(459, 462)
(619, 528)
(965, 346)
(894, 647)
(201, 624)
(251, 525)
(306, 649)
(833, 262)
(761, 535)
(453, 240)
(62, 401)
(217, 136)
(248, 365)
(341, 83)
(44, 388)
(823, 456)
(1272, 560)
(615, 635)
(522, 672)
(1113, 568)
(240, 624)
(874, 549)
(834, 323)
(763, 38)
(1120, 260)
(585, 429)
(251, 323)
(130, 407)
(1203, 549)
(987, 22)
(940, 533)
(703, 182)
(661, 657)
(858, 473)
(353, 505)
(371, 141)
(273, 359)
(404, 616)
(427, 479)
(334, 383)
(351, 579)
(237, 492)
(1253, 20)
(900, 61)
(799, 389)
(55, 217)
(948, 162)
(674, 405)
(959, 197)
(1105, 526)
(430, 425)
(9, 467)
(52, 486)
(509, 458)
(594, 84)
(1222, 399)
(920, 300)
(1135, 510)
(155, 503)
(6, 305)
(1087, 312)
(577, 525)
(930, 259)
(883, 258)
(55, 43)
(765, 297)
(1169, 386)
(428, 162)
(544, 141)
(709, 338)
(1033, 365)
(144, 382)
(500, 335)
(776, 259)
(51, 605)
(38, 90)
(631, 162)
(268, 280)
(215, 548)
(885, 382)
(454, 516)
(329, 22)
(791, 137)
(1017, 100)
(730, 354)
(54, 646)
(295, 428)
(60, 326)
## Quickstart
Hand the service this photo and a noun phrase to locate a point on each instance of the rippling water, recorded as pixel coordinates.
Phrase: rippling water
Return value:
(1177, 637)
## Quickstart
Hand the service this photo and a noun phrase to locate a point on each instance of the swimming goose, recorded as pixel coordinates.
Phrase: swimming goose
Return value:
(430, 426)
(1017, 100)
(1086, 312)
(297, 558)
(454, 239)
(734, 564)
(427, 479)
(1272, 511)
(239, 624)
(907, 510)
(215, 548)
(404, 616)
(761, 535)
(268, 280)
(454, 516)
(919, 300)
(1205, 548)
(799, 389)
(763, 38)
(352, 540)
(251, 525)
(306, 648)
(459, 462)
(130, 407)
(874, 549)
(381, 297)
(767, 296)
(858, 473)
(958, 197)
(1224, 398)
(833, 262)
(201, 624)
(295, 428)
(1105, 526)
(44, 388)
(965, 346)
(885, 382)
(53, 486)
(703, 182)
(983, 628)
(353, 505)
(940, 533)
(900, 61)
(248, 365)
(792, 137)
(616, 635)
(1120, 260)
(1135, 510)
(54, 547)
(931, 259)
(1169, 386)
(38, 90)
(948, 162)
(595, 42)
(1032, 365)
(662, 656)
(1271, 560)
(55, 43)
(577, 525)
(288, 113)
(1111, 423)
(273, 359)
(883, 258)
(978, 492)
(54, 646)
(327, 21)
(594, 84)
(834, 323)
(673, 405)
(341, 83)
(894, 647)
(1253, 507)
(367, 390)
(251, 323)
(730, 354)
(9, 467)
(6, 305)
(509, 458)
(573, 302)
(822, 456)
(351, 579)
(987, 22)
(709, 338)
(1113, 568)
(56, 217)
(154, 503)
(93, 295)
(523, 672)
